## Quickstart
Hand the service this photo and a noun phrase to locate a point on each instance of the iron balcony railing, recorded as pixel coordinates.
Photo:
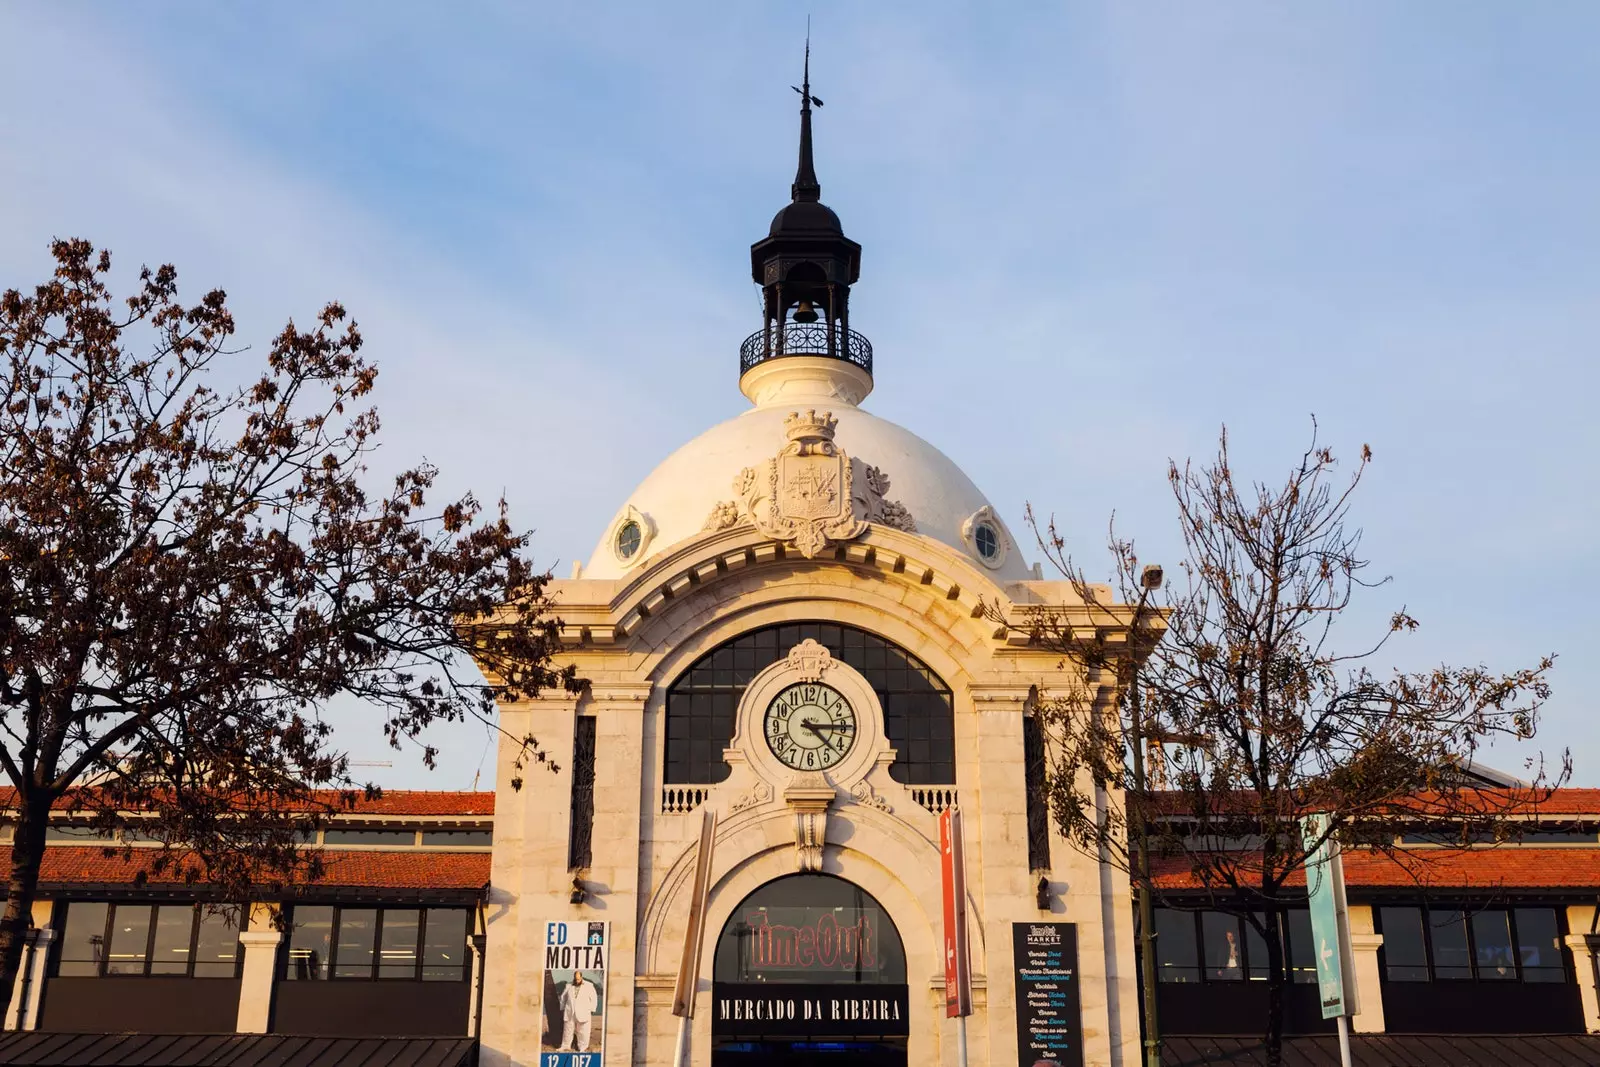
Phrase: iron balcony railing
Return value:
(805, 339)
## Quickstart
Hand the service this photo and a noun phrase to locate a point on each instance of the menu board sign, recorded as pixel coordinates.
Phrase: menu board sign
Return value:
(1049, 1024)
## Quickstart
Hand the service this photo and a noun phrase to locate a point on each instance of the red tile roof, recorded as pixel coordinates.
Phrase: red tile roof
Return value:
(1507, 867)
(392, 802)
(67, 866)
(1560, 802)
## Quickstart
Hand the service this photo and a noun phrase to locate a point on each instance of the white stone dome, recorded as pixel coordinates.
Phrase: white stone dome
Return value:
(675, 501)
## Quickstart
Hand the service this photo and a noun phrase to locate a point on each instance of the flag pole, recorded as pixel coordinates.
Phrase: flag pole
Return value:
(689, 965)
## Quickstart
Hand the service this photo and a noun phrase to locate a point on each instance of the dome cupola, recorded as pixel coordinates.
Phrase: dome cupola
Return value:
(805, 267)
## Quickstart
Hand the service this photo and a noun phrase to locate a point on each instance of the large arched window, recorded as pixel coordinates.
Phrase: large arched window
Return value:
(917, 711)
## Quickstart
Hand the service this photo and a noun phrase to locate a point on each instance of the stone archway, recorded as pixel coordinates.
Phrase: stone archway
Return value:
(809, 968)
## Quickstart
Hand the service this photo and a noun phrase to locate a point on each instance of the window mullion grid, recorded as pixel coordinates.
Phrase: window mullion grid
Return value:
(1469, 929)
(333, 945)
(1516, 944)
(422, 943)
(1427, 941)
(377, 945)
(194, 940)
(104, 964)
(150, 940)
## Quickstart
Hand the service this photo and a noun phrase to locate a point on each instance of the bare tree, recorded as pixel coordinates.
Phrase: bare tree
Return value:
(189, 572)
(1245, 714)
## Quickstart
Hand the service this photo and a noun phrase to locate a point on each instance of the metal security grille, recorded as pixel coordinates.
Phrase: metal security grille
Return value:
(918, 712)
(580, 846)
(1038, 802)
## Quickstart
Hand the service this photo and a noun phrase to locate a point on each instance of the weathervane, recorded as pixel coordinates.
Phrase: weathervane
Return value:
(804, 88)
(806, 186)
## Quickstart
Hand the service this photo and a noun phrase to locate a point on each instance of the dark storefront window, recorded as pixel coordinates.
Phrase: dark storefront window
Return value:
(918, 714)
(810, 928)
(1215, 946)
(427, 944)
(1448, 944)
(183, 940)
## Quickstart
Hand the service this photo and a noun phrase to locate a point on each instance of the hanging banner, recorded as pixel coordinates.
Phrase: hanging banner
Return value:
(1049, 1012)
(953, 876)
(575, 955)
(689, 964)
(1330, 920)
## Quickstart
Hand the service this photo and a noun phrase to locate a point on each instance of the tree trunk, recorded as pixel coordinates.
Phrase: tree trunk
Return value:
(1277, 1002)
(27, 851)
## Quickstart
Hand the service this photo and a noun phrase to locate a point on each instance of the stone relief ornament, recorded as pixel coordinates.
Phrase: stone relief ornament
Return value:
(759, 793)
(866, 796)
(809, 495)
(810, 660)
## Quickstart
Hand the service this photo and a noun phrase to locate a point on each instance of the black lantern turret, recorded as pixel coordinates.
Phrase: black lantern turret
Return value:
(805, 267)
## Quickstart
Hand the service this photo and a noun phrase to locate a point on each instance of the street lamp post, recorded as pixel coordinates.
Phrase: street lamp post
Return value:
(1149, 582)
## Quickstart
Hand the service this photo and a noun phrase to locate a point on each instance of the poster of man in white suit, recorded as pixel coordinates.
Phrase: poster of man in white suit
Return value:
(574, 995)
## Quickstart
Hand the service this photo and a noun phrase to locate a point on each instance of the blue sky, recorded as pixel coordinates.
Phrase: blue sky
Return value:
(1093, 234)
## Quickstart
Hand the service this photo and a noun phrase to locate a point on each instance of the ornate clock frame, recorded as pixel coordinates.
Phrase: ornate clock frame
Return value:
(759, 776)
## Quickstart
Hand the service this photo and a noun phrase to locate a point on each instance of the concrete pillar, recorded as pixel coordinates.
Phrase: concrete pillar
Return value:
(31, 976)
(1584, 946)
(260, 944)
(1364, 944)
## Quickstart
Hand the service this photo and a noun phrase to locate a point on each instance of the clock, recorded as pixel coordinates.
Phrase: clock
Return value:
(809, 726)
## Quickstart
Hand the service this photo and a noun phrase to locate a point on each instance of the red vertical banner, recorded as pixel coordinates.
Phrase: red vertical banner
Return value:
(953, 875)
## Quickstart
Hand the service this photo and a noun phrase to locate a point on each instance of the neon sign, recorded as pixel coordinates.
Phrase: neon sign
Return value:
(828, 942)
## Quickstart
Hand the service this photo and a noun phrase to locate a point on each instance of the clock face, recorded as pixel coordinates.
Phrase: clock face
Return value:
(809, 726)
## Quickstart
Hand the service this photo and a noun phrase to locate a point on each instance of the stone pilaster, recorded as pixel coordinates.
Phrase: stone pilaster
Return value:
(614, 876)
(1584, 947)
(997, 856)
(1364, 945)
(259, 942)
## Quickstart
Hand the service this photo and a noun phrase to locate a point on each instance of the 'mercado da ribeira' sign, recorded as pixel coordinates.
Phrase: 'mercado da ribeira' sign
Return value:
(789, 1008)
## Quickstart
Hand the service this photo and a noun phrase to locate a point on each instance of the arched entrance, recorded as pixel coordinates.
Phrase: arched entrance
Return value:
(809, 969)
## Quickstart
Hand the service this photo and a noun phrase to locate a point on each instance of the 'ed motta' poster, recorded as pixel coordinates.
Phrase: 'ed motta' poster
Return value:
(575, 955)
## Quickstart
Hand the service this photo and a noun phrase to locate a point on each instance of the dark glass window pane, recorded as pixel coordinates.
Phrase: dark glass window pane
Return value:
(444, 951)
(83, 940)
(1177, 953)
(1405, 953)
(1302, 948)
(458, 838)
(1491, 944)
(916, 705)
(1255, 950)
(75, 835)
(130, 939)
(358, 930)
(392, 838)
(1448, 932)
(309, 941)
(216, 953)
(397, 956)
(1224, 956)
(1539, 945)
(174, 928)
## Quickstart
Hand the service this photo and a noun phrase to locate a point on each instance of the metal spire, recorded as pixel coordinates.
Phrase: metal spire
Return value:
(806, 187)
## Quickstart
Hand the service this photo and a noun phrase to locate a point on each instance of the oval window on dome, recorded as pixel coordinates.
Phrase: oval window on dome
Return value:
(987, 538)
(629, 537)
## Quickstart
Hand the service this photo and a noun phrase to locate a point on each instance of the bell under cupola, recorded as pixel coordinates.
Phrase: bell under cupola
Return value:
(805, 267)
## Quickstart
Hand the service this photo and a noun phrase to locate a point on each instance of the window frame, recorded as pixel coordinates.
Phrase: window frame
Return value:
(284, 966)
(694, 709)
(1249, 940)
(1468, 913)
(58, 923)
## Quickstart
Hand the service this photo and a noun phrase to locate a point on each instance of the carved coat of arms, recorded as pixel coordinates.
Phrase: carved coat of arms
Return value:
(808, 495)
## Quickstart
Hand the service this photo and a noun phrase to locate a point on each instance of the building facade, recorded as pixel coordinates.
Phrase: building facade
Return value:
(810, 622)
